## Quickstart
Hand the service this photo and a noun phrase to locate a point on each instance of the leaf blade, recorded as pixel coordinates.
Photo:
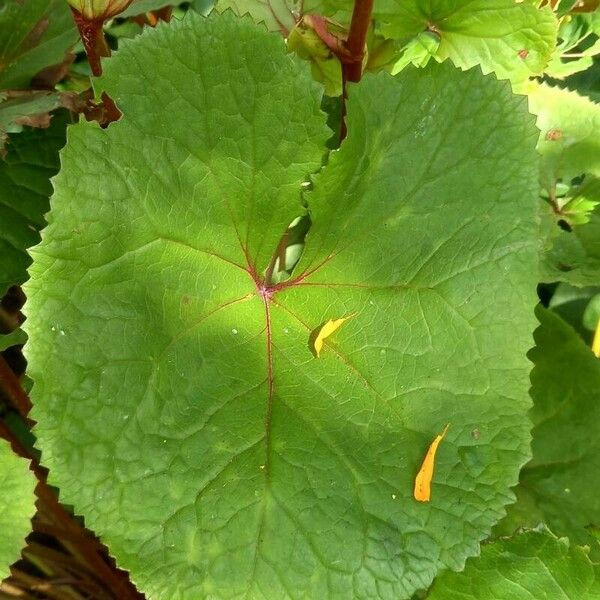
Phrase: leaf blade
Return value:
(557, 485)
(548, 567)
(17, 506)
(211, 394)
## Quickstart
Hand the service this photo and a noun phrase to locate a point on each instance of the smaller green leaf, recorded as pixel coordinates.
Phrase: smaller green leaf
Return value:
(572, 29)
(25, 173)
(34, 34)
(571, 205)
(530, 566)
(560, 69)
(395, 55)
(587, 83)
(418, 51)
(569, 140)
(591, 315)
(24, 108)
(138, 7)
(324, 65)
(559, 486)
(580, 201)
(14, 338)
(515, 40)
(570, 302)
(570, 256)
(563, 7)
(382, 53)
(123, 29)
(17, 506)
(204, 7)
(276, 15)
(576, 29)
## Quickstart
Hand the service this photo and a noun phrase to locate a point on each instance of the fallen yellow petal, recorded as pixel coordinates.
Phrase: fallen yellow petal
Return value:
(330, 327)
(423, 480)
(596, 341)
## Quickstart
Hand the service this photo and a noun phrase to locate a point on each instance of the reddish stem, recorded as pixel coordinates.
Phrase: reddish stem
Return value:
(357, 37)
(351, 51)
(12, 390)
(343, 126)
(94, 42)
(96, 48)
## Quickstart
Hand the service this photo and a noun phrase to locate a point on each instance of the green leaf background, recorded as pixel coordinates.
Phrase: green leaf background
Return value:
(531, 566)
(514, 40)
(572, 257)
(34, 34)
(569, 133)
(138, 7)
(275, 15)
(559, 486)
(17, 506)
(25, 172)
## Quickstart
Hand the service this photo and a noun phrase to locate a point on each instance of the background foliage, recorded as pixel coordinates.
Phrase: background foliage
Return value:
(163, 272)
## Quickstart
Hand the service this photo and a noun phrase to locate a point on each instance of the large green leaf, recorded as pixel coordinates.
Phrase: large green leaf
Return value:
(17, 506)
(559, 486)
(533, 565)
(178, 403)
(34, 34)
(25, 171)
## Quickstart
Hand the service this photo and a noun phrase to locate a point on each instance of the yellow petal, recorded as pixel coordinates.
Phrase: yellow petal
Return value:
(422, 491)
(330, 327)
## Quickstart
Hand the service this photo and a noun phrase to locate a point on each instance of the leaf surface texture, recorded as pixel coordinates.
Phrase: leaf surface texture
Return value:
(203, 440)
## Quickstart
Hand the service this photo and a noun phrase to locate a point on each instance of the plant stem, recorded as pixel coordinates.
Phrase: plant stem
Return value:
(343, 126)
(357, 37)
(12, 390)
(94, 42)
(553, 199)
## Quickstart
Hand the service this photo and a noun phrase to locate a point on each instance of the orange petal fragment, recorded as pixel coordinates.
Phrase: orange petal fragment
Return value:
(330, 327)
(422, 491)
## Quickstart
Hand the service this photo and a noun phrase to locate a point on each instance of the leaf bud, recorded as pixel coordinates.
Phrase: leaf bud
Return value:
(93, 10)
